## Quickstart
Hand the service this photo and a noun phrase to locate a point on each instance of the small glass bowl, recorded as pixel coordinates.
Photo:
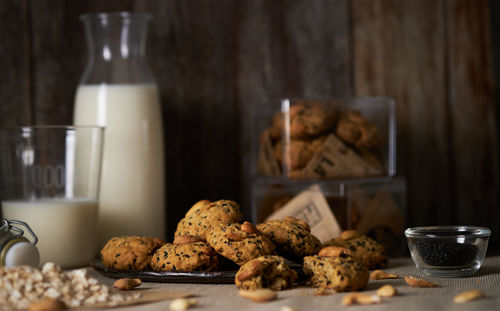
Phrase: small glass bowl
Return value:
(448, 251)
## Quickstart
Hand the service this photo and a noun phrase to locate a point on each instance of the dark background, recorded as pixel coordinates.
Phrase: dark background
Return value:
(216, 59)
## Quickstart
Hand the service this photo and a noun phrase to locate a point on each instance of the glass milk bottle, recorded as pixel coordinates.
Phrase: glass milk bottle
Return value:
(118, 91)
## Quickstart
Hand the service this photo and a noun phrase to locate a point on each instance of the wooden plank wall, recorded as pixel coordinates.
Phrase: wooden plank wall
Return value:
(216, 61)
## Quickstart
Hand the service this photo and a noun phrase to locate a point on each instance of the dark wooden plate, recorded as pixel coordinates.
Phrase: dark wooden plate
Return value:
(215, 277)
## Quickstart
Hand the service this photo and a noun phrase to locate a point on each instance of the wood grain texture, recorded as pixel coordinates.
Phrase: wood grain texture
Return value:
(218, 61)
(14, 60)
(59, 54)
(399, 51)
(288, 49)
(192, 53)
(472, 111)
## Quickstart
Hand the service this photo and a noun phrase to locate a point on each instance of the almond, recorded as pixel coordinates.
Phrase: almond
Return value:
(181, 304)
(184, 239)
(233, 236)
(47, 304)
(415, 282)
(362, 299)
(251, 269)
(387, 291)
(382, 275)
(468, 296)
(249, 228)
(349, 234)
(334, 251)
(258, 295)
(126, 284)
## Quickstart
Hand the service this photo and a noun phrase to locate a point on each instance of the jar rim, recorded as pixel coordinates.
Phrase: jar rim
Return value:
(434, 231)
(116, 15)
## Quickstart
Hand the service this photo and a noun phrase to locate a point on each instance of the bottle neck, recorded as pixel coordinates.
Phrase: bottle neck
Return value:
(115, 38)
(117, 45)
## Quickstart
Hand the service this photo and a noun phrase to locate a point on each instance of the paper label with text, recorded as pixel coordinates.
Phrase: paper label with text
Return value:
(311, 206)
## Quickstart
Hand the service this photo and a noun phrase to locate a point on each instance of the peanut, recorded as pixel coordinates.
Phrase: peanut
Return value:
(252, 269)
(468, 296)
(47, 304)
(334, 251)
(415, 282)
(362, 299)
(184, 239)
(349, 234)
(287, 308)
(181, 304)
(259, 295)
(233, 236)
(382, 275)
(249, 228)
(387, 291)
(299, 222)
(126, 284)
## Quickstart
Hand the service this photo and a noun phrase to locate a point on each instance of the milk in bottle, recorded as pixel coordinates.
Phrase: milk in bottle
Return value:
(118, 91)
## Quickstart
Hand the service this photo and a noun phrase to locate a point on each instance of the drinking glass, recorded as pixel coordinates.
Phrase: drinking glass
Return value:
(49, 178)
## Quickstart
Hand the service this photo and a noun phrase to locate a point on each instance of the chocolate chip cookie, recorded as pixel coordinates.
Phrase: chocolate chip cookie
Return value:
(265, 272)
(307, 120)
(197, 256)
(204, 214)
(239, 243)
(338, 273)
(291, 236)
(356, 130)
(129, 252)
(367, 250)
(297, 153)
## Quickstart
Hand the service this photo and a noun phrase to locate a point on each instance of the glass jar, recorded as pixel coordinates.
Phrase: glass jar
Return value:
(118, 91)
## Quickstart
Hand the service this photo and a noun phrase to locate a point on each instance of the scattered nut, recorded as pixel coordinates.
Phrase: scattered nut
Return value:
(415, 282)
(382, 275)
(233, 236)
(287, 308)
(321, 291)
(180, 304)
(126, 284)
(299, 222)
(254, 268)
(334, 251)
(184, 239)
(468, 296)
(362, 299)
(47, 304)
(249, 228)
(387, 291)
(349, 234)
(258, 295)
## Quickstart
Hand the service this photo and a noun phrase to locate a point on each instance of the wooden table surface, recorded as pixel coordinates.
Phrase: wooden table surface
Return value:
(225, 297)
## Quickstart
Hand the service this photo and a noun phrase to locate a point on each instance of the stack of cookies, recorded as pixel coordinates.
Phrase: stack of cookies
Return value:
(212, 233)
(328, 140)
(345, 149)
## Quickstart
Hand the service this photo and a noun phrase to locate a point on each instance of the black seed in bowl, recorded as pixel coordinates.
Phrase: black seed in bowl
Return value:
(446, 253)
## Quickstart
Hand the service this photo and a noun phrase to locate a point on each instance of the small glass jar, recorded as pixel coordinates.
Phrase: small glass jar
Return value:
(15, 248)
(448, 251)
